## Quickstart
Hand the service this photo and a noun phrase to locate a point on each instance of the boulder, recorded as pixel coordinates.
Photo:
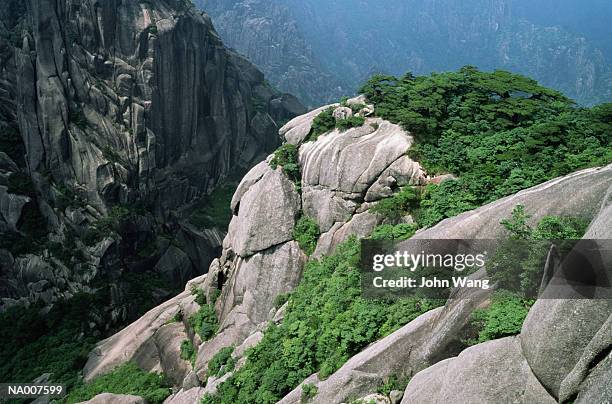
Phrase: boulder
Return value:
(404, 171)
(360, 225)
(342, 113)
(353, 160)
(175, 266)
(297, 129)
(491, 372)
(267, 215)
(189, 396)
(168, 340)
(11, 207)
(108, 398)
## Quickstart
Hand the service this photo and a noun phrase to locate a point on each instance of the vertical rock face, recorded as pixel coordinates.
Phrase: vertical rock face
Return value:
(105, 104)
(138, 96)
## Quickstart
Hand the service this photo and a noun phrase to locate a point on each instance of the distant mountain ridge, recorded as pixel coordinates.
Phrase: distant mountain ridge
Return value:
(300, 45)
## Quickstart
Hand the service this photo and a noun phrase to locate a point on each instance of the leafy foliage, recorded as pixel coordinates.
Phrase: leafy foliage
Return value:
(126, 379)
(205, 322)
(327, 322)
(286, 156)
(402, 231)
(498, 132)
(350, 122)
(309, 391)
(222, 362)
(322, 123)
(518, 265)
(397, 205)
(188, 351)
(503, 318)
(306, 232)
(57, 342)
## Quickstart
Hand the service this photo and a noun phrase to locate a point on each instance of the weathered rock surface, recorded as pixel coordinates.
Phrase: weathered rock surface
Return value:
(248, 295)
(122, 102)
(492, 372)
(297, 129)
(266, 216)
(108, 398)
(550, 198)
(151, 341)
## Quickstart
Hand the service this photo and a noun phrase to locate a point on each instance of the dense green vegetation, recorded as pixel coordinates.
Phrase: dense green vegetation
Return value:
(402, 231)
(327, 322)
(504, 317)
(498, 132)
(325, 122)
(306, 232)
(286, 157)
(321, 124)
(126, 379)
(397, 205)
(188, 351)
(518, 265)
(205, 322)
(222, 362)
(58, 342)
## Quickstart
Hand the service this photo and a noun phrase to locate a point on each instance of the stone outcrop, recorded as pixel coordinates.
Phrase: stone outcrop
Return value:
(108, 398)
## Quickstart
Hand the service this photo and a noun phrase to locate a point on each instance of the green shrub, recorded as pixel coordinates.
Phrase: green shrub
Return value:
(518, 265)
(503, 318)
(397, 205)
(321, 124)
(351, 122)
(309, 391)
(327, 322)
(498, 132)
(126, 379)
(56, 342)
(286, 156)
(188, 351)
(281, 299)
(222, 362)
(200, 297)
(393, 383)
(306, 232)
(205, 322)
(402, 231)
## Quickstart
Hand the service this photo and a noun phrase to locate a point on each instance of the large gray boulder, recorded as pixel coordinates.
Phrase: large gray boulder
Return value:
(266, 215)
(297, 129)
(492, 372)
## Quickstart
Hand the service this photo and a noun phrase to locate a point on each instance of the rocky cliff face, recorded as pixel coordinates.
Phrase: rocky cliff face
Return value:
(108, 103)
(351, 41)
(262, 260)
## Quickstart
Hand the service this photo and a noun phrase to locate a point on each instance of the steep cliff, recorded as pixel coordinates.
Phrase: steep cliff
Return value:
(350, 41)
(116, 117)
